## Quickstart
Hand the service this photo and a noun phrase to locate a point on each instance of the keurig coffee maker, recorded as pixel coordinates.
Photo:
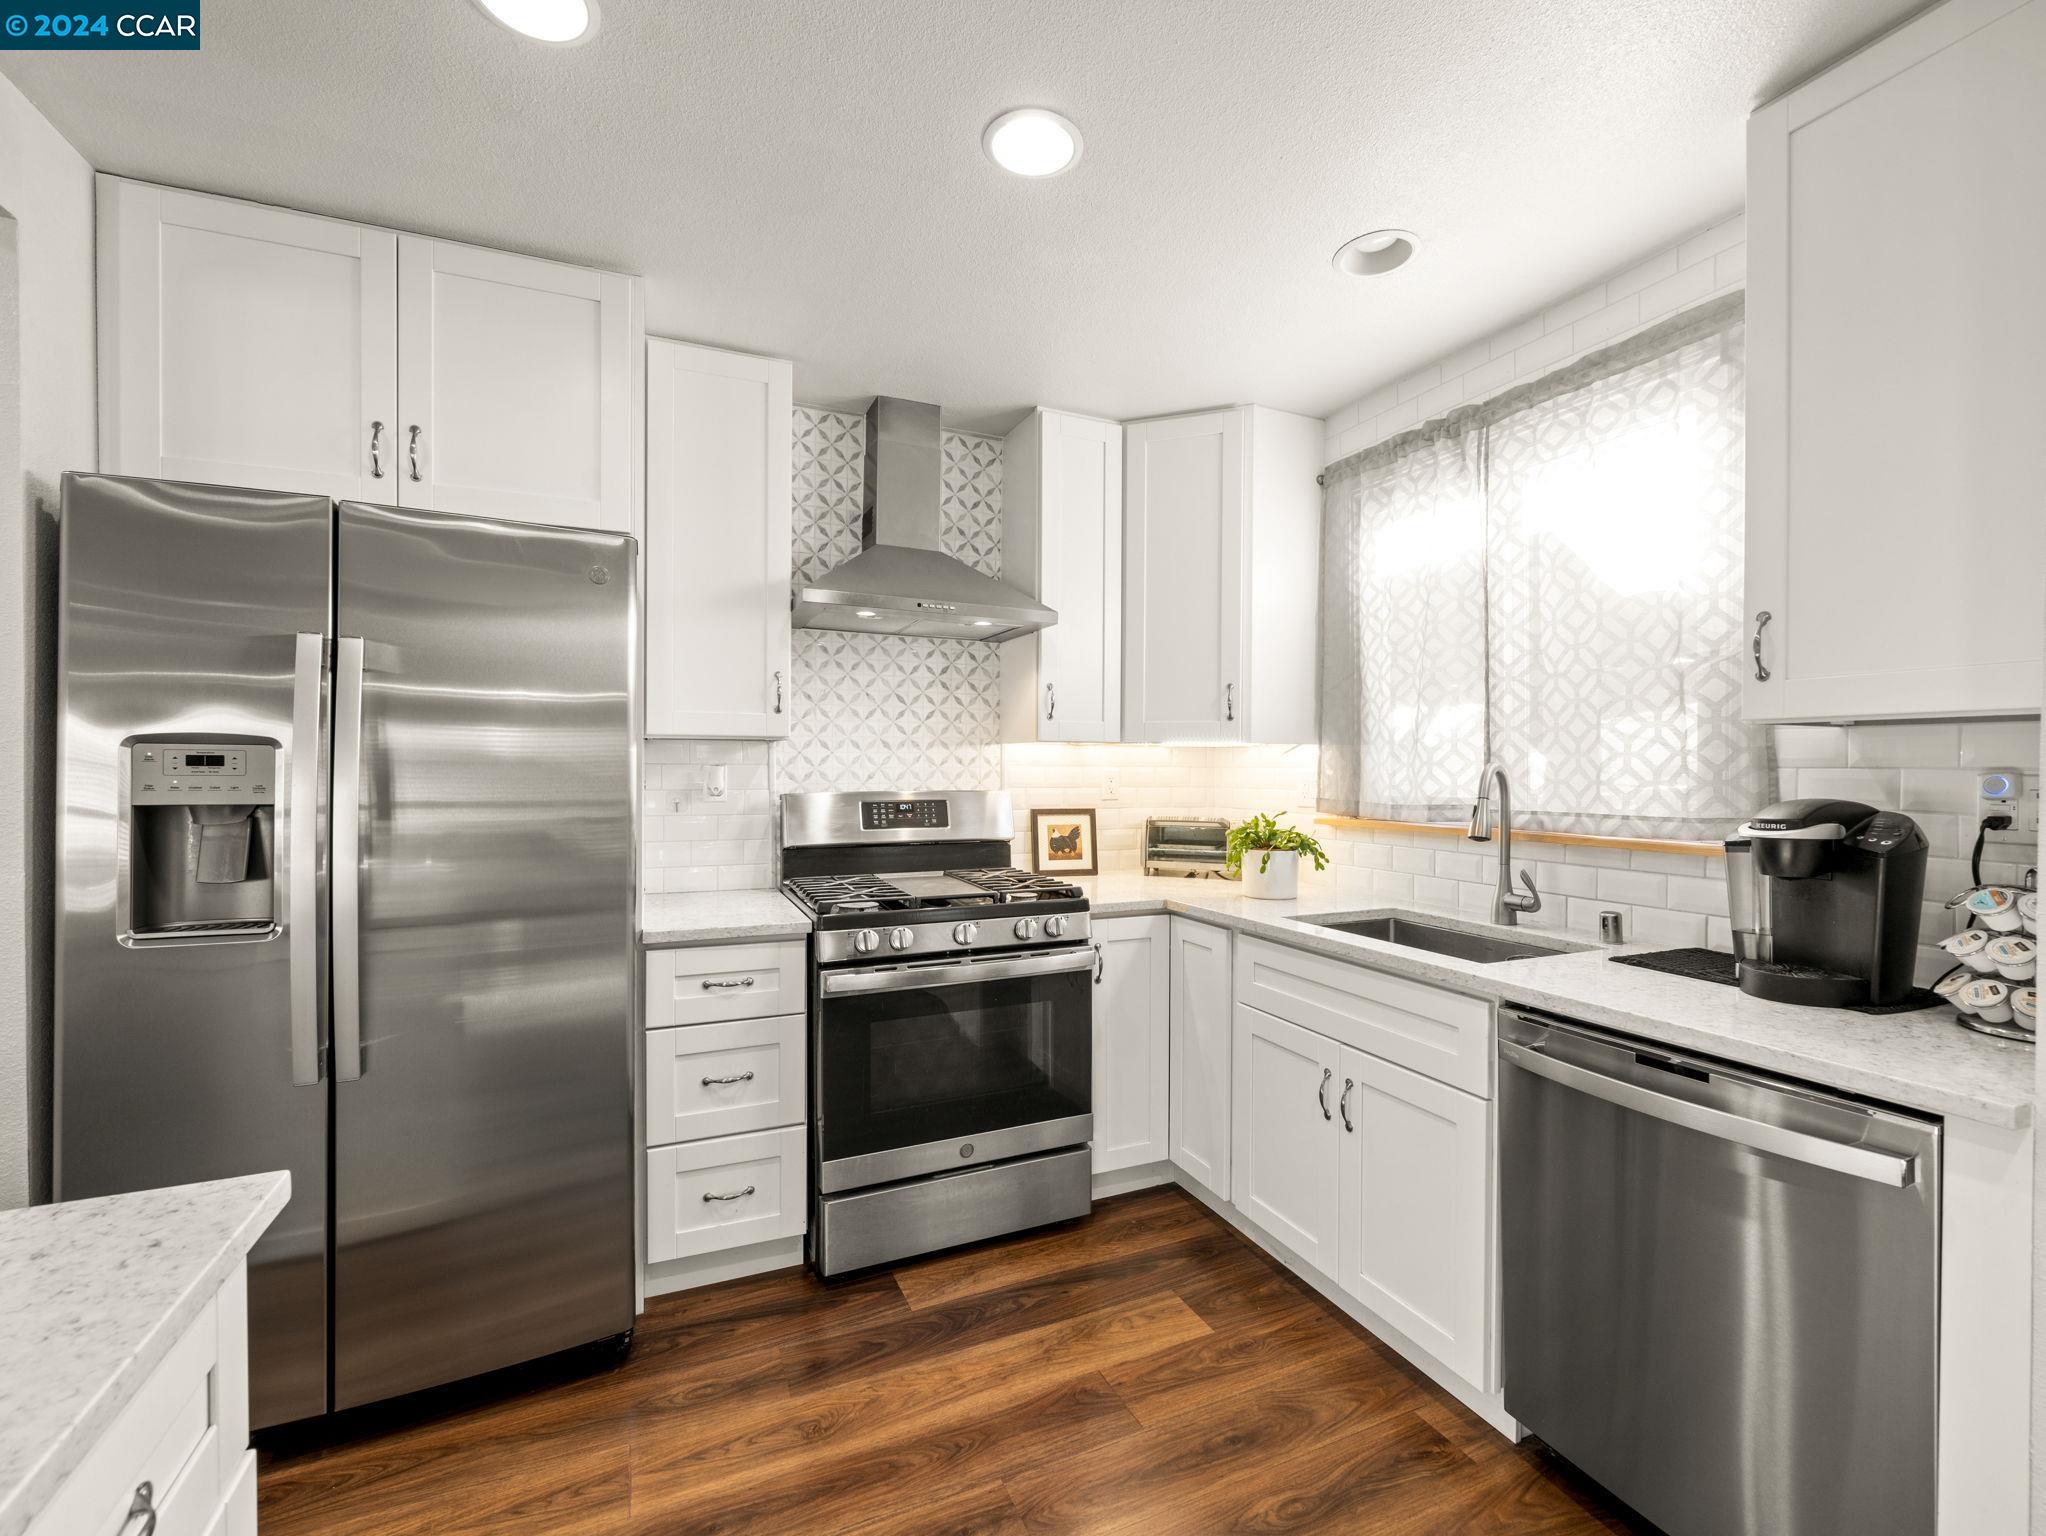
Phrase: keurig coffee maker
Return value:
(1825, 898)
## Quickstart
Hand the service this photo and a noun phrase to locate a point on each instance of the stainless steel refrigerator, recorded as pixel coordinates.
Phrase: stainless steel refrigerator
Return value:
(347, 871)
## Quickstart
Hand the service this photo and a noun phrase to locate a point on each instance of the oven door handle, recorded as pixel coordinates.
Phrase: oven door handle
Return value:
(951, 973)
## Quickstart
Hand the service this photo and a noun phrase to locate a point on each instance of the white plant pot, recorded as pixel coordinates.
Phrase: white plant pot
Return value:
(1279, 882)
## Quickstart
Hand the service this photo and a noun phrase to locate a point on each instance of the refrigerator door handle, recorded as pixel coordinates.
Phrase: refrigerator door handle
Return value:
(347, 859)
(302, 912)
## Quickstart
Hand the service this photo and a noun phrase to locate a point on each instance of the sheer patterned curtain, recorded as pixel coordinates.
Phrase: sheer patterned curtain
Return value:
(1591, 639)
(1403, 586)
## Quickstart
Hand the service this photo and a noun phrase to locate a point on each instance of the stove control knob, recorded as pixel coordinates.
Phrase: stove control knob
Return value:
(965, 933)
(1026, 927)
(866, 941)
(900, 938)
(1054, 927)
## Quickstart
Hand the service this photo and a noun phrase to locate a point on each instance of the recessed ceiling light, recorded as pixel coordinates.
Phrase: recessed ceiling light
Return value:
(1031, 141)
(1375, 254)
(863, 613)
(983, 623)
(545, 21)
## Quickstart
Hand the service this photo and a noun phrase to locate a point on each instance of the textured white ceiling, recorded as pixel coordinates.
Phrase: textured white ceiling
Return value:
(804, 177)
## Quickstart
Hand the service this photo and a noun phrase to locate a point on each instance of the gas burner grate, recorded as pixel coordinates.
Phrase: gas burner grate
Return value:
(877, 893)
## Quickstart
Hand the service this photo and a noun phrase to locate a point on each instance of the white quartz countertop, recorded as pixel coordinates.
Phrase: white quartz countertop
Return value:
(93, 1294)
(1923, 1060)
(718, 917)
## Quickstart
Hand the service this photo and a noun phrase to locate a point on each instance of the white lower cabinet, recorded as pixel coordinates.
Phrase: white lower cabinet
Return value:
(1200, 1000)
(727, 1096)
(176, 1460)
(1285, 1103)
(1378, 1176)
(702, 1196)
(1414, 1191)
(1132, 1042)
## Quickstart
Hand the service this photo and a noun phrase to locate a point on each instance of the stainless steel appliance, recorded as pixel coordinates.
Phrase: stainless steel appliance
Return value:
(1721, 1290)
(1186, 845)
(902, 582)
(346, 876)
(1825, 902)
(951, 1026)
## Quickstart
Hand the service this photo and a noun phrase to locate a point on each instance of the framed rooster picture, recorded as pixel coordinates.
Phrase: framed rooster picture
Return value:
(1062, 842)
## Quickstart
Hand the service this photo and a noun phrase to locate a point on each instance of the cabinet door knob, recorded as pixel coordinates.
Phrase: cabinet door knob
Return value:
(376, 452)
(1322, 1092)
(1761, 623)
(777, 693)
(412, 449)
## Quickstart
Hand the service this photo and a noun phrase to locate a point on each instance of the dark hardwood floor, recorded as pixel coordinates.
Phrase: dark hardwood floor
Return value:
(1143, 1371)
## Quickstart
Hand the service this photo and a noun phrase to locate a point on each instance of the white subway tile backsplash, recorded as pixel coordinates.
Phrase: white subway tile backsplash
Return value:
(1653, 925)
(1633, 886)
(1659, 266)
(1953, 790)
(1560, 317)
(1514, 337)
(1811, 746)
(1538, 356)
(1412, 385)
(1871, 786)
(1730, 267)
(1722, 236)
(1687, 285)
(1905, 744)
(1465, 359)
(1488, 378)
(1689, 895)
(2000, 744)
(1604, 324)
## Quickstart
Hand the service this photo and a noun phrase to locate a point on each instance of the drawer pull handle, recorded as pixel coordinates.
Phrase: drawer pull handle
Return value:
(1322, 1092)
(1344, 1103)
(713, 984)
(741, 1195)
(142, 1510)
(736, 1077)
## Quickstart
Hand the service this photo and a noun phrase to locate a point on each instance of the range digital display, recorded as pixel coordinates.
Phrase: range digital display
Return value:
(887, 815)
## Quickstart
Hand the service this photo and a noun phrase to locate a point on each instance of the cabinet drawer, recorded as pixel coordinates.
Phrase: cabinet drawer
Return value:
(702, 1196)
(719, 1079)
(1443, 1035)
(724, 981)
(165, 1437)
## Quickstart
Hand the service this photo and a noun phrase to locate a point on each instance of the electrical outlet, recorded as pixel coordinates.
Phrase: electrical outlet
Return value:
(714, 782)
(1110, 788)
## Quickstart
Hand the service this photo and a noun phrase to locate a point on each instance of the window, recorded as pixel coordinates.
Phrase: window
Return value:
(1552, 579)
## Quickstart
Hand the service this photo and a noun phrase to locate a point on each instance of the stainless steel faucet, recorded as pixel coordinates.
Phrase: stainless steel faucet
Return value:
(1507, 903)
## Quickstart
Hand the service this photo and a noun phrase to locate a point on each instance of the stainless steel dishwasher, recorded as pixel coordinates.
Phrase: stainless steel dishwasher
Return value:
(1721, 1289)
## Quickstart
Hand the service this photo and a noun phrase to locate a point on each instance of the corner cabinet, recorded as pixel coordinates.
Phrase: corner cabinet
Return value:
(1894, 394)
(246, 345)
(1062, 542)
(718, 552)
(1222, 529)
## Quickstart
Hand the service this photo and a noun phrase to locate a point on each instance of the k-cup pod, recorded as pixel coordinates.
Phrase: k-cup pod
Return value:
(1950, 986)
(2015, 959)
(2028, 911)
(1988, 1000)
(2024, 1007)
(1971, 948)
(1995, 906)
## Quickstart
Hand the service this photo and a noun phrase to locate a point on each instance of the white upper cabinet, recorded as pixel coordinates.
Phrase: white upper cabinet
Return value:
(1222, 533)
(244, 345)
(515, 387)
(1896, 240)
(718, 547)
(1062, 542)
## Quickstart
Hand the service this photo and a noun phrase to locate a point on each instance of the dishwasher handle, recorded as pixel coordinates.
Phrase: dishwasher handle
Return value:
(1897, 1170)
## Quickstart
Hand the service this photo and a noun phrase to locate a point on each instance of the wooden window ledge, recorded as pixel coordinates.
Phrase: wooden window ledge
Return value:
(1568, 839)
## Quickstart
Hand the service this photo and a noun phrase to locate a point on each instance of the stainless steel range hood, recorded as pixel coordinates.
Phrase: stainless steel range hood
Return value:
(902, 582)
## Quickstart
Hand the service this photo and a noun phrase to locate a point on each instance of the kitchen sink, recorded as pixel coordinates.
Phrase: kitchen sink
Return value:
(1413, 933)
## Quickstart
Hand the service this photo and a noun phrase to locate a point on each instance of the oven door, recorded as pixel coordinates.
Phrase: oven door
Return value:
(932, 1067)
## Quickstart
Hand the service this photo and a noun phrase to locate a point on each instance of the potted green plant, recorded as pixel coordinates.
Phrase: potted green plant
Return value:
(1275, 874)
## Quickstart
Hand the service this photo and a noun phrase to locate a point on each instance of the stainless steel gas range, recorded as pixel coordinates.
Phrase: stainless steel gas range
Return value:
(951, 1026)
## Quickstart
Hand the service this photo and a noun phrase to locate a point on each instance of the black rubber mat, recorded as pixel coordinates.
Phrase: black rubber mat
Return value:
(1716, 965)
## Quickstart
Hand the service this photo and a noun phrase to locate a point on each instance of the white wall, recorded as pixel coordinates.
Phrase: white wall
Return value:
(1712, 262)
(46, 392)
